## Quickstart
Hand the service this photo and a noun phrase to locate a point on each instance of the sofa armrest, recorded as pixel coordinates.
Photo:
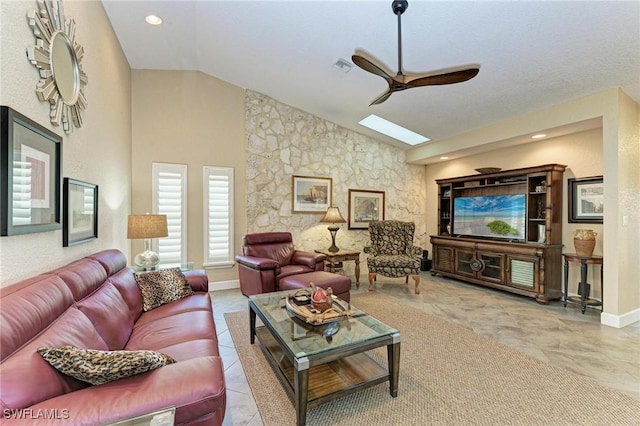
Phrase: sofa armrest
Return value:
(370, 250)
(259, 263)
(307, 258)
(197, 279)
(183, 385)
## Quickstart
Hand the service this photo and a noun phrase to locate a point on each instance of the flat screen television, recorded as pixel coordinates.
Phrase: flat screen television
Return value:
(496, 216)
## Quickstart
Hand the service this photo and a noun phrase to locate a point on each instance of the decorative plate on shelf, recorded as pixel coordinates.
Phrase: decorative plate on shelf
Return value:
(485, 170)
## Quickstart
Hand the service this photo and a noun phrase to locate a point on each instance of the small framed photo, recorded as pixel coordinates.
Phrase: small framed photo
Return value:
(311, 194)
(364, 207)
(586, 200)
(80, 216)
(30, 175)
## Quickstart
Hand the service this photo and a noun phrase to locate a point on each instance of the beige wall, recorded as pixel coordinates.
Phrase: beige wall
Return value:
(187, 117)
(99, 152)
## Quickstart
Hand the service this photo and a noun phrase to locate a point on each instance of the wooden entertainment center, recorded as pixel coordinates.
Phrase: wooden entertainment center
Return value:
(530, 265)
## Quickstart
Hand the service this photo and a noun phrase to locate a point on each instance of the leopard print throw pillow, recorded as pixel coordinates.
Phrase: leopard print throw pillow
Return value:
(162, 287)
(98, 367)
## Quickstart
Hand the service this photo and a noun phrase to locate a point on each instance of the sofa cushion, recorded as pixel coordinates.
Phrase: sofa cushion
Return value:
(162, 287)
(98, 367)
(27, 379)
(109, 314)
(126, 284)
(83, 277)
(28, 307)
(167, 331)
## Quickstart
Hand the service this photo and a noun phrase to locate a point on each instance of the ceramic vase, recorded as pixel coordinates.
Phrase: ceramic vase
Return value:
(584, 241)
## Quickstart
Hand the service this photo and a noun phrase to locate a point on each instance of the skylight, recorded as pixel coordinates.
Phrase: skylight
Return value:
(392, 130)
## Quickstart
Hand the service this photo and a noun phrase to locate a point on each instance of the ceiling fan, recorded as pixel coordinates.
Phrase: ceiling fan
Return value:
(402, 81)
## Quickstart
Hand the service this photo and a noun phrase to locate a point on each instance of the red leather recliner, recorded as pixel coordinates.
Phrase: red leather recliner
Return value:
(266, 257)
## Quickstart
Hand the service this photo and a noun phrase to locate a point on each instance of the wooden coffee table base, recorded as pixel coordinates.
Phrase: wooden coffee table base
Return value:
(315, 385)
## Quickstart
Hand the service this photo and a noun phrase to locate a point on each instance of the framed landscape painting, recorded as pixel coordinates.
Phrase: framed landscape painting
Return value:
(586, 200)
(311, 194)
(364, 207)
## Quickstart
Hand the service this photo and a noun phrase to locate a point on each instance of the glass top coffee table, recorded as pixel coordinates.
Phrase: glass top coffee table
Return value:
(335, 352)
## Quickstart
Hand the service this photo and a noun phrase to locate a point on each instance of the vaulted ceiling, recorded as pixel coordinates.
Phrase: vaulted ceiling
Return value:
(533, 55)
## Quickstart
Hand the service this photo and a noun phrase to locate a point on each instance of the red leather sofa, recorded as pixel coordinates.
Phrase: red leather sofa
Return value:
(95, 303)
(269, 256)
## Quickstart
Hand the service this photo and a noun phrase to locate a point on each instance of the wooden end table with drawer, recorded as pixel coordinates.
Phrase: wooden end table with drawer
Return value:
(334, 258)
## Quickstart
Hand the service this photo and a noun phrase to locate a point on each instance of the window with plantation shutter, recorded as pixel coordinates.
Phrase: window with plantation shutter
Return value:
(218, 217)
(170, 198)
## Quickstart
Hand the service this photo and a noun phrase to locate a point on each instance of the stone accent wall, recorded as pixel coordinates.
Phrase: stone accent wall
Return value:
(283, 141)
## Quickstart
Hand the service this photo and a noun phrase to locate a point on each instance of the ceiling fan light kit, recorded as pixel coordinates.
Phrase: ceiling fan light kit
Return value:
(402, 81)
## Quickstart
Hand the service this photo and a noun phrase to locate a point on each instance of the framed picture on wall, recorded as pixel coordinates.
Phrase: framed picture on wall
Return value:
(365, 206)
(30, 175)
(586, 200)
(311, 194)
(80, 216)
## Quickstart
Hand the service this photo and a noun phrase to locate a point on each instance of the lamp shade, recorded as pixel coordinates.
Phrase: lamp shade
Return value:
(333, 216)
(147, 226)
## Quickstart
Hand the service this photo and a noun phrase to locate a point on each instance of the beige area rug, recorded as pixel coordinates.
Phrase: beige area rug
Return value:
(448, 376)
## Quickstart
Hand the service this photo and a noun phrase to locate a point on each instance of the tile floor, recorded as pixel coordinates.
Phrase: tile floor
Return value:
(561, 336)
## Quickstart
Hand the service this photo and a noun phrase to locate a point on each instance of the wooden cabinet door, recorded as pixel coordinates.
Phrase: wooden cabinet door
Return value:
(523, 272)
(492, 267)
(442, 258)
(465, 261)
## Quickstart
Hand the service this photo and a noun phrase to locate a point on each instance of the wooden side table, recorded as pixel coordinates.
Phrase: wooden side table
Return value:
(584, 261)
(342, 256)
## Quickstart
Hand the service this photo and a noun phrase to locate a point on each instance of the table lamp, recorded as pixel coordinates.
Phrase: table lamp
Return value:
(333, 216)
(147, 226)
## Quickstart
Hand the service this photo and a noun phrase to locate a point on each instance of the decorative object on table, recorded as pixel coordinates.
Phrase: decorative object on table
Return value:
(321, 299)
(542, 233)
(586, 200)
(485, 170)
(80, 212)
(58, 56)
(30, 175)
(311, 194)
(364, 207)
(333, 216)
(308, 313)
(147, 226)
(584, 241)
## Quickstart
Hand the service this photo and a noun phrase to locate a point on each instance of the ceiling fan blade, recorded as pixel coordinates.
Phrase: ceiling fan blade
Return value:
(369, 66)
(441, 78)
(380, 99)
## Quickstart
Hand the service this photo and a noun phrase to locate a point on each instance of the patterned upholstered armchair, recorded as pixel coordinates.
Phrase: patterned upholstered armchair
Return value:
(392, 252)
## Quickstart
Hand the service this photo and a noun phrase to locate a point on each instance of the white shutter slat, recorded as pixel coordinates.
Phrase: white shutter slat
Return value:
(170, 198)
(218, 183)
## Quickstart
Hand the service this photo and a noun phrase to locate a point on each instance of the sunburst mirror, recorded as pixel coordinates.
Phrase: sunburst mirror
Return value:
(58, 57)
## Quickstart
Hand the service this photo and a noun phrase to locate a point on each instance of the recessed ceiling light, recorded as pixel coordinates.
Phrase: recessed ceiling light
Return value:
(539, 136)
(444, 158)
(153, 19)
(390, 129)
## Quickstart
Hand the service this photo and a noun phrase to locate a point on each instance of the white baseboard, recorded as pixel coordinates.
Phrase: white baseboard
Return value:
(224, 285)
(620, 321)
